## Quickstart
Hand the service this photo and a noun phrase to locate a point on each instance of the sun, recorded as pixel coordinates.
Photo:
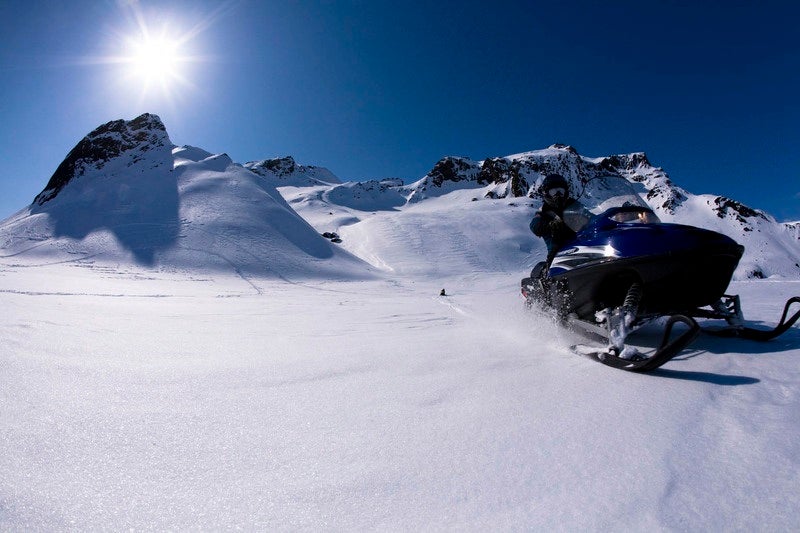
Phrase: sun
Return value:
(156, 59)
(154, 56)
(156, 62)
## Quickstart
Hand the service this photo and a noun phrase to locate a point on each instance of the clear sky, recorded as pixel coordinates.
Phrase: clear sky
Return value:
(375, 89)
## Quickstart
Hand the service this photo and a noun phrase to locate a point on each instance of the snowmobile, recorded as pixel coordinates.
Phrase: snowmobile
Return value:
(626, 269)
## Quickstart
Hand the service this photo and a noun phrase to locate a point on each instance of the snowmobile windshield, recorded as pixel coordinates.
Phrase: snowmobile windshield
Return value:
(635, 216)
(613, 195)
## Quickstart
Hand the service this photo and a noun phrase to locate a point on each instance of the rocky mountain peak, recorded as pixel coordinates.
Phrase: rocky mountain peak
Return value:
(452, 169)
(285, 171)
(625, 161)
(519, 175)
(130, 140)
(726, 207)
(565, 147)
(280, 166)
(793, 228)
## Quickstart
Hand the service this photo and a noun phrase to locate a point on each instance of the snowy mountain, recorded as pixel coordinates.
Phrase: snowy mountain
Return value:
(284, 171)
(793, 228)
(126, 191)
(770, 250)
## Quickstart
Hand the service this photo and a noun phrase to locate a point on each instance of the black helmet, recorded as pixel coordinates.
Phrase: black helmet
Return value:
(554, 190)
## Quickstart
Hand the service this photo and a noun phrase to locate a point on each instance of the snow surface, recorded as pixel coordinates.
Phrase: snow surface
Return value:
(246, 373)
(140, 399)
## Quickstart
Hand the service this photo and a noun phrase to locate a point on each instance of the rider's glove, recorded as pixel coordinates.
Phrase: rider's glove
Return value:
(556, 225)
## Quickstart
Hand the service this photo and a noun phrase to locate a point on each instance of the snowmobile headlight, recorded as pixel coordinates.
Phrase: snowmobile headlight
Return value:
(609, 251)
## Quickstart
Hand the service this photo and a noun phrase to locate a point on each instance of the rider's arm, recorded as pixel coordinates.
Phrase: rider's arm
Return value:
(540, 223)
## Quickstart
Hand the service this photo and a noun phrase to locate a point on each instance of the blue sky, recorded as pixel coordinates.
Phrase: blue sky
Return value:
(375, 89)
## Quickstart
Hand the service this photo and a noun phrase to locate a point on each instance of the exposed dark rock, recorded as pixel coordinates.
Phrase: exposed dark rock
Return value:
(669, 197)
(623, 162)
(793, 228)
(280, 166)
(565, 147)
(499, 170)
(494, 170)
(105, 143)
(449, 169)
(286, 171)
(725, 207)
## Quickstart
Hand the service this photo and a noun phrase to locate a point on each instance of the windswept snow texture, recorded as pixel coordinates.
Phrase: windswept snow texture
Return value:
(181, 349)
(151, 399)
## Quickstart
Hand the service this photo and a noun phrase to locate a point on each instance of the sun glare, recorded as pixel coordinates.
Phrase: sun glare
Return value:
(155, 60)
(154, 54)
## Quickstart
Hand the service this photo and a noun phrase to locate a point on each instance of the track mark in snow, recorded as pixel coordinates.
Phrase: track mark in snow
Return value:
(446, 302)
(329, 375)
(37, 293)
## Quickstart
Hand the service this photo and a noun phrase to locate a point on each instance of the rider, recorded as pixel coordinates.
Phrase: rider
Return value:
(548, 223)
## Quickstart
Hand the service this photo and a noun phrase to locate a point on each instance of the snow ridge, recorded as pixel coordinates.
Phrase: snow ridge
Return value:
(284, 171)
(125, 189)
(119, 141)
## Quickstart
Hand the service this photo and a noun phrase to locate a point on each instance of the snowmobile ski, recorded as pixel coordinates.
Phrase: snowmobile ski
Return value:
(668, 349)
(761, 335)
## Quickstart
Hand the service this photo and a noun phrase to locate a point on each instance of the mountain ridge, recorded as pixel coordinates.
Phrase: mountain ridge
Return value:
(115, 176)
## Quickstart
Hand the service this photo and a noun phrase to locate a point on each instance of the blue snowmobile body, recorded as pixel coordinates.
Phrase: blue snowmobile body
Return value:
(679, 268)
(625, 268)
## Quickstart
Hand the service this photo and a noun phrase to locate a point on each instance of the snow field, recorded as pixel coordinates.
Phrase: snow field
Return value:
(136, 403)
(181, 349)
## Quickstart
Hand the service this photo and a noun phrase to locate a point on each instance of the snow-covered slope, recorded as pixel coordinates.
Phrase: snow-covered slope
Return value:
(456, 189)
(284, 171)
(770, 249)
(445, 236)
(126, 194)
